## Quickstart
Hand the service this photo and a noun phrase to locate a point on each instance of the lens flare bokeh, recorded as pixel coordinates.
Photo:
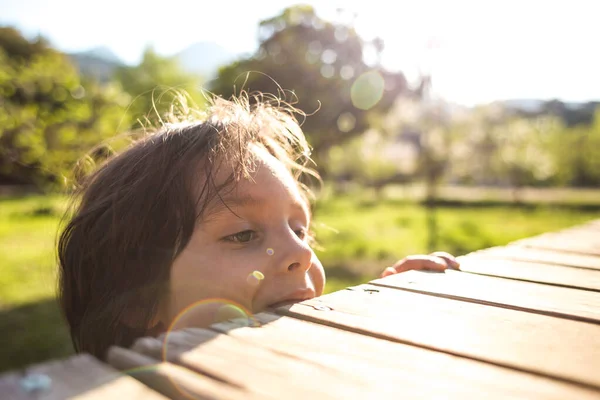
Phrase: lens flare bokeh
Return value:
(201, 314)
(255, 278)
(367, 90)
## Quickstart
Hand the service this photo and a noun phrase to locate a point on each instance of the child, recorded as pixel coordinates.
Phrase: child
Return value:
(193, 212)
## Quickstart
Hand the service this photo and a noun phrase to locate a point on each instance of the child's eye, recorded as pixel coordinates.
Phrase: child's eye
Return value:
(241, 237)
(301, 233)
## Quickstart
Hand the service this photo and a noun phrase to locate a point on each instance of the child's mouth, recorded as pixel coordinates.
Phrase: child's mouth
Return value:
(296, 297)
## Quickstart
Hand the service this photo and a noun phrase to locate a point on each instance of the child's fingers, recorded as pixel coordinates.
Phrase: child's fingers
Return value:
(434, 263)
(451, 261)
(431, 263)
(388, 271)
(438, 261)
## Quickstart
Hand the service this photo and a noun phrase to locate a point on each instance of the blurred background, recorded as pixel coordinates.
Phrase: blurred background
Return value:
(450, 125)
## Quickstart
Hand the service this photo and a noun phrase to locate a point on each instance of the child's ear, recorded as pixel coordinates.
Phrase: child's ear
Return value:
(131, 320)
(156, 320)
(156, 326)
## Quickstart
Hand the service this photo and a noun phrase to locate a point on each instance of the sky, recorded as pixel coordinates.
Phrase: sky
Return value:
(476, 51)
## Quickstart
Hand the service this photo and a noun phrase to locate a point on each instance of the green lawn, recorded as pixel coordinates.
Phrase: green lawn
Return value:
(359, 237)
(31, 327)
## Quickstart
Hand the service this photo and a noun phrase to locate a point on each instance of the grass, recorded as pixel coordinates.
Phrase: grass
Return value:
(31, 327)
(360, 237)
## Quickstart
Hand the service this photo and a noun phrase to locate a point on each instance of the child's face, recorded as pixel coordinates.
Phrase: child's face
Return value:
(265, 230)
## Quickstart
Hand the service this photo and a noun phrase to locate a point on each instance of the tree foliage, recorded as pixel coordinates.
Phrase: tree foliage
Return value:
(48, 116)
(322, 64)
(359, 122)
(576, 152)
(155, 85)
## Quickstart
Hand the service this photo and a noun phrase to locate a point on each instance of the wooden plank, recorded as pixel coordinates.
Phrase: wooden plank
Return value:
(581, 242)
(588, 226)
(171, 380)
(544, 256)
(595, 224)
(82, 377)
(562, 349)
(583, 233)
(588, 234)
(531, 271)
(561, 302)
(260, 371)
(380, 361)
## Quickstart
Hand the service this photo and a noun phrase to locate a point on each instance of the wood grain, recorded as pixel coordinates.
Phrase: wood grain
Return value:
(563, 349)
(81, 377)
(540, 256)
(527, 296)
(574, 241)
(557, 275)
(171, 380)
(258, 370)
(405, 370)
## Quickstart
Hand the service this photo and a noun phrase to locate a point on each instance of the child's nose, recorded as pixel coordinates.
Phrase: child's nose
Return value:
(297, 255)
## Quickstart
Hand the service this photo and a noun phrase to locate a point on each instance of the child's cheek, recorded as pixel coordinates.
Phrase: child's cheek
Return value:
(317, 275)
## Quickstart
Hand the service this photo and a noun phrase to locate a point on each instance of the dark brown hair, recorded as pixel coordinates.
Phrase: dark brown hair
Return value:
(135, 214)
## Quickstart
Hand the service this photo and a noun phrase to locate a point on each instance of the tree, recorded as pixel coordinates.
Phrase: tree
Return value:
(319, 66)
(362, 161)
(523, 156)
(49, 118)
(501, 147)
(576, 151)
(155, 85)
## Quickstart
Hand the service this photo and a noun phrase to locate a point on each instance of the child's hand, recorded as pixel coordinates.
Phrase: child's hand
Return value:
(438, 261)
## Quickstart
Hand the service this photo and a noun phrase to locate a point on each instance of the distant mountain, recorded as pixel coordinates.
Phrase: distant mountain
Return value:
(104, 53)
(527, 105)
(99, 62)
(205, 58)
(535, 105)
(571, 113)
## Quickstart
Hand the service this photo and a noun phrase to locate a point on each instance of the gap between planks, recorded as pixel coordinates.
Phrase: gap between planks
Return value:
(530, 297)
(478, 332)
